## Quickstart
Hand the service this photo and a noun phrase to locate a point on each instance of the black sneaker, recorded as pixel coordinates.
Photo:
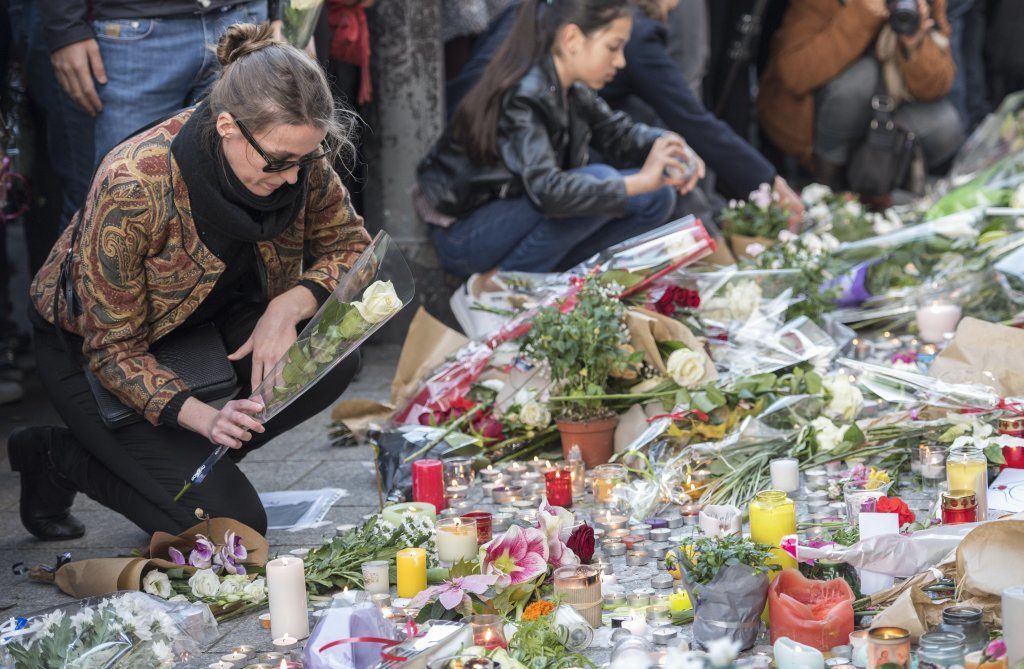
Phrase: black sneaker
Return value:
(46, 496)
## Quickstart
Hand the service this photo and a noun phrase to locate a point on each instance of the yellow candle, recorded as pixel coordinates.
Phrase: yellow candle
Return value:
(967, 469)
(679, 601)
(773, 516)
(412, 571)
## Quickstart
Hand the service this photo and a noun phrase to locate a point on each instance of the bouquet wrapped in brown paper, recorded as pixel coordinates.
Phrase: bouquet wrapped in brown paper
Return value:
(218, 561)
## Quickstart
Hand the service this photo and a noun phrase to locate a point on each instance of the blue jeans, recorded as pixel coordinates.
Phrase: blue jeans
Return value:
(514, 235)
(157, 66)
(69, 129)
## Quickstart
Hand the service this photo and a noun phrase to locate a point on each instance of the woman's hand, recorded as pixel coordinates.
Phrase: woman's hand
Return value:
(275, 331)
(230, 426)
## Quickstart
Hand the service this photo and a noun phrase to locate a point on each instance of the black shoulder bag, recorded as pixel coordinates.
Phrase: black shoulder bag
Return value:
(881, 163)
(197, 354)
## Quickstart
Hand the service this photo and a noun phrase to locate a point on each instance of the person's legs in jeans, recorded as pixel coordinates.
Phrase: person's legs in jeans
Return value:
(842, 110)
(937, 126)
(956, 11)
(157, 66)
(69, 129)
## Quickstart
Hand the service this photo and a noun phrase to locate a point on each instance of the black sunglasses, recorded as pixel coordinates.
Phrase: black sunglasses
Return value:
(279, 165)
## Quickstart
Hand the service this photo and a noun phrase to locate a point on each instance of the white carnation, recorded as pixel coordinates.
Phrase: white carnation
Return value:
(686, 367)
(157, 583)
(826, 433)
(812, 194)
(534, 414)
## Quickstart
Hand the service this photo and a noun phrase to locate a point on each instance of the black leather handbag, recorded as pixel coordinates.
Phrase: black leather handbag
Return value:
(881, 163)
(197, 355)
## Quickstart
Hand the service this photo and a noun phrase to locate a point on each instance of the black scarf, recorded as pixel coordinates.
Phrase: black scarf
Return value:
(224, 210)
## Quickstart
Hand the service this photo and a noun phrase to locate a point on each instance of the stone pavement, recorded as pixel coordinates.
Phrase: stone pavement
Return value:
(299, 460)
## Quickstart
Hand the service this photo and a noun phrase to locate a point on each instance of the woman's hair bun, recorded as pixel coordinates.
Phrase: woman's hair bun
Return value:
(242, 39)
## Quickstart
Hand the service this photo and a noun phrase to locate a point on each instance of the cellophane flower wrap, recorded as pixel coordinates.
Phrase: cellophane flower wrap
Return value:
(123, 630)
(298, 19)
(377, 287)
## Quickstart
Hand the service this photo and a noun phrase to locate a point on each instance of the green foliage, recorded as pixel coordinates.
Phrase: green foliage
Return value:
(750, 219)
(540, 644)
(582, 347)
(712, 554)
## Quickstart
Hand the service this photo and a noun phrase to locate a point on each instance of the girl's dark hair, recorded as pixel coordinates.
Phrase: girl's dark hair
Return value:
(475, 122)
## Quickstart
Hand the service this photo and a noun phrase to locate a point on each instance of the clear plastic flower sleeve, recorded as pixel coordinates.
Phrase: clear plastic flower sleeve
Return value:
(123, 630)
(377, 287)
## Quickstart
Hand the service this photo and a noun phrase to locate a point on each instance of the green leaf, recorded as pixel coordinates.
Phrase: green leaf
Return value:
(994, 453)
(854, 436)
(716, 396)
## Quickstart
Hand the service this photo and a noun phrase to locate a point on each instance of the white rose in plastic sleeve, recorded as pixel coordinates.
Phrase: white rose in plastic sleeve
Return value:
(256, 590)
(744, 299)
(847, 399)
(204, 583)
(379, 301)
(232, 586)
(156, 583)
(826, 433)
(686, 367)
(534, 414)
(680, 245)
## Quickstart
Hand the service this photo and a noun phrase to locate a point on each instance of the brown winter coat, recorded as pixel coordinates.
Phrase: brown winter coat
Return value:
(817, 41)
(140, 269)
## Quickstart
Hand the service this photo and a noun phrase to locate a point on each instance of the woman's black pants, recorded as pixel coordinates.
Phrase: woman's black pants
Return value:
(138, 469)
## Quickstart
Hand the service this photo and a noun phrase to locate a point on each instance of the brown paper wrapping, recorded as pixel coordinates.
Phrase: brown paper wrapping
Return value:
(100, 576)
(427, 344)
(984, 353)
(647, 328)
(722, 255)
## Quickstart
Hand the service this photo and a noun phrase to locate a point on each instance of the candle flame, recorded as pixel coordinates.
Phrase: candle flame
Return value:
(535, 459)
(487, 637)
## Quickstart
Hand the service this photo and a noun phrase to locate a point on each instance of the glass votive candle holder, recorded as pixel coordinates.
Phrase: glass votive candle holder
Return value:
(490, 473)
(483, 525)
(539, 465)
(456, 540)
(458, 471)
(488, 631)
(558, 486)
(375, 576)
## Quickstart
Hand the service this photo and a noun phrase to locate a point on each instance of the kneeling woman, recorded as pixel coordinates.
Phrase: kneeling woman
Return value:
(509, 186)
(201, 219)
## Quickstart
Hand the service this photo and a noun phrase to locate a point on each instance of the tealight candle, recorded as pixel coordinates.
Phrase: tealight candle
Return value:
(233, 657)
(657, 523)
(490, 474)
(245, 651)
(933, 462)
(614, 548)
(637, 599)
(538, 465)
(816, 478)
(791, 654)
(456, 540)
(488, 631)
(488, 489)
(457, 491)
(286, 590)
(515, 469)
(340, 530)
(662, 581)
(220, 664)
(691, 514)
(658, 613)
(285, 644)
(506, 494)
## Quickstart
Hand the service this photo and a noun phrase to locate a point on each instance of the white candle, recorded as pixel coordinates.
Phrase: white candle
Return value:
(790, 654)
(936, 321)
(375, 577)
(1013, 624)
(220, 664)
(285, 644)
(286, 589)
(636, 623)
(233, 657)
(785, 474)
(456, 540)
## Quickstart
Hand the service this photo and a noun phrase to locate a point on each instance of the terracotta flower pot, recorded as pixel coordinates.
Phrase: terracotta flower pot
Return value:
(596, 439)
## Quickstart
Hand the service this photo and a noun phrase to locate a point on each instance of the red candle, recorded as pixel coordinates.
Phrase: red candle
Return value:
(1014, 455)
(483, 525)
(558, 483)
(959, 506)
(631, 540)
(428, 483)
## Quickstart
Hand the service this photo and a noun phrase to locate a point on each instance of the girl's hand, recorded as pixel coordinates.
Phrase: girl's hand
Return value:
(663, 160)
(234, 424)
(275, 332)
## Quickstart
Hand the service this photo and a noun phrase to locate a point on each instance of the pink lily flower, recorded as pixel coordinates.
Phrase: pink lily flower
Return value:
(551, 520)
(450, 593)
(519, 555)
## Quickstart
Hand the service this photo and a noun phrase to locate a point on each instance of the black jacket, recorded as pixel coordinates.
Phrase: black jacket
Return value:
(541, 134)
(652, 76)
(68, 21)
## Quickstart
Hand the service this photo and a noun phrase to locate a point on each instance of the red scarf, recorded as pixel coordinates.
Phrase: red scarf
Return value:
(351, 42)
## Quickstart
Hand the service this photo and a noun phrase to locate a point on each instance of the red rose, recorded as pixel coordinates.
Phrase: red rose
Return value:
(581, 542)
(895, 505)
(488, 427)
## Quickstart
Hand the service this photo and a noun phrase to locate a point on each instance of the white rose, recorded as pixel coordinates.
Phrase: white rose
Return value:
(847, 399)
(686, 367)
(379, 301)
(680, 245)
(157, 583)
(232, 585)
(826, 433)
(534, 414)
(256, 590)
(744, 299)
(204, 583)
(814, 193)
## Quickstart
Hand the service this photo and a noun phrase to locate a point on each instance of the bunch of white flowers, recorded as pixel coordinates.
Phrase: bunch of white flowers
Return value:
(846, 399)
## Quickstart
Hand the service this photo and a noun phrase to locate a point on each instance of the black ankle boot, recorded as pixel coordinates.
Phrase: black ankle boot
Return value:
(46, 496)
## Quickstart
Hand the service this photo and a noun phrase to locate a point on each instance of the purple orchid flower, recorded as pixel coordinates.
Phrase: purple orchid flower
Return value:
(176, 556)
(227, 561)
(202, 554)
(450, 593)
(234, 546)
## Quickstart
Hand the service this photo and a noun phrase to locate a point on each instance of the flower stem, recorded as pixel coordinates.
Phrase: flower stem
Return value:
(184, 489)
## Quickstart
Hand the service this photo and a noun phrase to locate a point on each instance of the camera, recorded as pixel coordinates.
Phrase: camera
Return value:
(904, 18)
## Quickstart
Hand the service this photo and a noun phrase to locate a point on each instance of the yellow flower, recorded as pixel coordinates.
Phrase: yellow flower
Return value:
(877, 478)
